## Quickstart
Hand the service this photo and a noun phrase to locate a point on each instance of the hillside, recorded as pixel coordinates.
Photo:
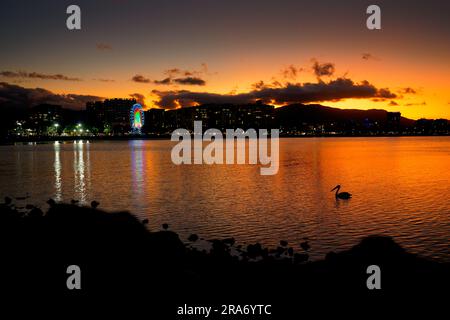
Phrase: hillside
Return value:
(316, 113)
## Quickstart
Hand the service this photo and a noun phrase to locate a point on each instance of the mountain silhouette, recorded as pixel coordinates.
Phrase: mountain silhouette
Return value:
(317, 114)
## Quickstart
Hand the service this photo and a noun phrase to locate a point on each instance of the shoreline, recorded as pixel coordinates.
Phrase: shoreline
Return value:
(167, 137)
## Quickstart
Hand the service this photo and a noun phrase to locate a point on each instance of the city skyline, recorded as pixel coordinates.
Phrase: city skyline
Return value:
(125, 117)
(193, 52)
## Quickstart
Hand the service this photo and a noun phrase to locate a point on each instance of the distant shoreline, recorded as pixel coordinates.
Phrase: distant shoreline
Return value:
(167, 137)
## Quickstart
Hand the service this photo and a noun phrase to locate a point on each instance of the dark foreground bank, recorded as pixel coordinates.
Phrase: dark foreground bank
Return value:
(119, 257)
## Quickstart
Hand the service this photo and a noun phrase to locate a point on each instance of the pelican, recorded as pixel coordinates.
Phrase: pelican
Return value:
(341, 195)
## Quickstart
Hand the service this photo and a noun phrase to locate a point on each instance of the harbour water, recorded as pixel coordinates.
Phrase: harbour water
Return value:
(400, 187)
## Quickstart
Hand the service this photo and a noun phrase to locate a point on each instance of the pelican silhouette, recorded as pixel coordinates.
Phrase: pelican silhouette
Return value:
(341, 195)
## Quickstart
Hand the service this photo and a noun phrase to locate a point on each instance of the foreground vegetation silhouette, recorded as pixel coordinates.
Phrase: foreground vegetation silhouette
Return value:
(118, 255)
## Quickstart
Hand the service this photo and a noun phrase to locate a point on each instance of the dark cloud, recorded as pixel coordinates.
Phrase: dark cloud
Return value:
(369, 56)
(263, 85)
(187, 81)
(258, 85)
(385, 93)
(103, 47)
(165, 81)
(276, 84)
(139, 98)
(323, 69)
(104, 80)
(416, 104)
(173, 72)
(10, 74)
(341, 88)
(393, 104)
(19, 97)
(408, 90)
(290, 72)
(141, 79)
(185, 98)
(194, 81)
(36, 75)
(184, 77)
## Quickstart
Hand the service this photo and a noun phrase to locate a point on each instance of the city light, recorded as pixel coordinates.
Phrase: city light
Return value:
(136, 118)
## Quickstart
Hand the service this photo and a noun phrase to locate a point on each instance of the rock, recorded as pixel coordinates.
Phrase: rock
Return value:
(254, 250)
(35, 213)
(229, 241)
(290, 251)
(280, 250)
(95, 204)
(301, 257)
(305, 245)
(218, 246)
(283, 243)
(8, 201)
(193, 237)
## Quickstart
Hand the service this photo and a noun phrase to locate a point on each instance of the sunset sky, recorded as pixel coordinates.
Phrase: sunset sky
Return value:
(181, 53)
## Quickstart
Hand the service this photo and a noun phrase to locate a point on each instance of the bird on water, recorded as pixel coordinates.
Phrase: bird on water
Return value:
(341, 195)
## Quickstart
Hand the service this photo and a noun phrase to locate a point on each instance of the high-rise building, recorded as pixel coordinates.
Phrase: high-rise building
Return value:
(222, 117)
(117, 114)
(43, 118)
(110, 115)
(96, 115)
(440, 126)
(155, 121)
(393, 121)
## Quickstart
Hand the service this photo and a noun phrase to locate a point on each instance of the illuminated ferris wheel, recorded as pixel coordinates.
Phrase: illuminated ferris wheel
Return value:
(136, 118)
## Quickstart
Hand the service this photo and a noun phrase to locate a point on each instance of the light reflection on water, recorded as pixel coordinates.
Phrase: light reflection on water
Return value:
(401, 188)
(57, 166)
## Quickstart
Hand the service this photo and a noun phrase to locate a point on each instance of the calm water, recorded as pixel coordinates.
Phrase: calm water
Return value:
(400, 186)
